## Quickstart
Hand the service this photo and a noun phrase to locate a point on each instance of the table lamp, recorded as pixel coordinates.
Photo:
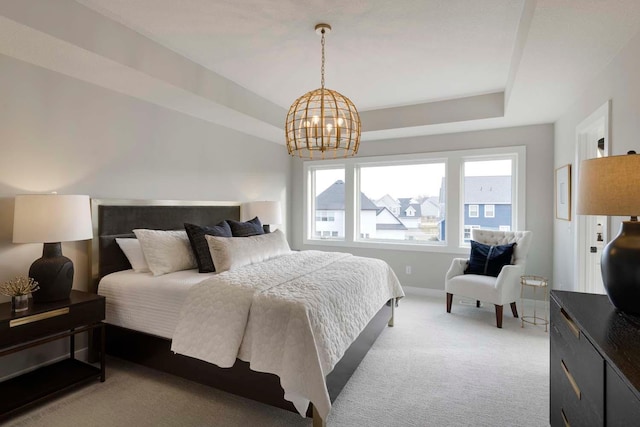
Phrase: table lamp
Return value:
(269, 212)
(611, 186)
(51, 219)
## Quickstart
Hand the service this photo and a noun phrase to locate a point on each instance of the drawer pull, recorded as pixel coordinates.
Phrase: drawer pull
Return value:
(572, 381)
(570, 323)
(38, 317)
(564, 418)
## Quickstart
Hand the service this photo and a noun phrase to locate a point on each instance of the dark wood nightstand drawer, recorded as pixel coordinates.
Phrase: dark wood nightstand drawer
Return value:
(47, 319)
(578, 368)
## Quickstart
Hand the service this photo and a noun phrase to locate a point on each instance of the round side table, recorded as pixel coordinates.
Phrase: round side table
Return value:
(536, 283)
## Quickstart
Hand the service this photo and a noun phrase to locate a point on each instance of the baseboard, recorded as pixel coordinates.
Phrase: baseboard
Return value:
(81, 354)
(440, 293)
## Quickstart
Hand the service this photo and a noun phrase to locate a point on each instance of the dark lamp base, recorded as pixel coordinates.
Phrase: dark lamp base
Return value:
(54, 274)
(621, 268)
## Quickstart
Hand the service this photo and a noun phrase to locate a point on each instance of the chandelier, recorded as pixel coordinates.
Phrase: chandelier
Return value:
(322, 121)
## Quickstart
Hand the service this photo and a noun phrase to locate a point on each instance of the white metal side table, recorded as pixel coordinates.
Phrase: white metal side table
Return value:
(538, 284)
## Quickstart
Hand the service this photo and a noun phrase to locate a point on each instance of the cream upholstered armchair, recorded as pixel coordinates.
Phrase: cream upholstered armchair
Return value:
(504, 289)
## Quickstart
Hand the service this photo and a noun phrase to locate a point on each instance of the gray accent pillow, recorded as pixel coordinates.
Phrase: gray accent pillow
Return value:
(199, 244)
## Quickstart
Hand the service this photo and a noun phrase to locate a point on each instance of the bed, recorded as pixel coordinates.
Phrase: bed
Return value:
(148, 340)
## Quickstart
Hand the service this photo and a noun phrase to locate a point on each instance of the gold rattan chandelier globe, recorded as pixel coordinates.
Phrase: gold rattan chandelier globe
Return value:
(322, 123)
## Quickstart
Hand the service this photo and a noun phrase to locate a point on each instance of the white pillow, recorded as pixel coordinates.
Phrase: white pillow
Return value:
(166, 251)
(133, 251)
(228, 253)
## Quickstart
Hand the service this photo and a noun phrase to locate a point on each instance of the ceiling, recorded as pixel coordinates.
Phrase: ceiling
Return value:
(412, 67)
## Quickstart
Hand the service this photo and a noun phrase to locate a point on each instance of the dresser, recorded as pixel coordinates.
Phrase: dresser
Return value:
(595, 362)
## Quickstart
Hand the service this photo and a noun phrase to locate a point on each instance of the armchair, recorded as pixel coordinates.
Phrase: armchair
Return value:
(496, 290)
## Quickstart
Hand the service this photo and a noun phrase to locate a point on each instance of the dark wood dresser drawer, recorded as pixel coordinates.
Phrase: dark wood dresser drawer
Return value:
(577, 363)
(566, 407)
(81, 309)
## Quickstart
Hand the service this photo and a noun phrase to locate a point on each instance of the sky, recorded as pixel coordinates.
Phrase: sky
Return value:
(408, 180)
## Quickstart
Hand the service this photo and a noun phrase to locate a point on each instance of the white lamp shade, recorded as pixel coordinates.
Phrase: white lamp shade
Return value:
(269, 212)
(610, 186)
(51, 218)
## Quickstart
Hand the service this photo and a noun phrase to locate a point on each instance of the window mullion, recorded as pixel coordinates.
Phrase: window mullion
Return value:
(454, 201)
(351, 206)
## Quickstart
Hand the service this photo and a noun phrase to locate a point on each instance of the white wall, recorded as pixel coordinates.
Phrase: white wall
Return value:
(61, 134)
(620, 83)
(428, 268)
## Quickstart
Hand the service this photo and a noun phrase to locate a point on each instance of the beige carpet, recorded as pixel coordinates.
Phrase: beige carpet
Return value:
(431, 369)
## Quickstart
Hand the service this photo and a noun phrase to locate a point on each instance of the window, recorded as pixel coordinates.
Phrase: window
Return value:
(414, 202)
(489, 211)
(328, 203)
(489, 182)
(504, 228)
(325, 216)
(417, 188)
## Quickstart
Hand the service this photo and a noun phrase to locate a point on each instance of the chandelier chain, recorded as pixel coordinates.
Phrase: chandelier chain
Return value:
(322, 68)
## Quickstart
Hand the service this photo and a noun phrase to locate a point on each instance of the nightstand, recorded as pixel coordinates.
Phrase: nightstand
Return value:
(44, 323)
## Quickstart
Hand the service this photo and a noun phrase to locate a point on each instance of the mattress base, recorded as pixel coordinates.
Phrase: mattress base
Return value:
(155, 352)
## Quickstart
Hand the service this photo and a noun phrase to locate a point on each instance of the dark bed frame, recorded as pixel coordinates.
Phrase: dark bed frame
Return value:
(155, 352)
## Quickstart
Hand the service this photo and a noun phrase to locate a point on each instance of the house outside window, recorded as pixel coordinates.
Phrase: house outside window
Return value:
(408, 203)
(328, 204)
(488, 193)
(467, 232)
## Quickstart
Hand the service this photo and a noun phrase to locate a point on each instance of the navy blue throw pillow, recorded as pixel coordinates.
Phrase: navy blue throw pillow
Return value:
(246, 229)
(200, 246)
(488, 260)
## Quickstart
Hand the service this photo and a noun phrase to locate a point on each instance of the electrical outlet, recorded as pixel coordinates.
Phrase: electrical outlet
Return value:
(407, 269)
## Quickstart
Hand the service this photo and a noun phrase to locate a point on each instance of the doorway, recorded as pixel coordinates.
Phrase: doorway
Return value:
(593, 139)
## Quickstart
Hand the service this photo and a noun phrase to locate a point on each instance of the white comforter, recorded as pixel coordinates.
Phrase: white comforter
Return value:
(293, 316)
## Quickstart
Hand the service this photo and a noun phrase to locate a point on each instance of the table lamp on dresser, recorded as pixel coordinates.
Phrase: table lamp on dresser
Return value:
(51, 219)
(611, 186)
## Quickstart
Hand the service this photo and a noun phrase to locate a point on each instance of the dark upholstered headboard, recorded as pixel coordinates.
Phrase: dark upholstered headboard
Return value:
(120, 221)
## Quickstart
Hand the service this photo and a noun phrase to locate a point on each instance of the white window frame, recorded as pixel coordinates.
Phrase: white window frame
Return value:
(454, 184)
(492, 211)
(476, 211)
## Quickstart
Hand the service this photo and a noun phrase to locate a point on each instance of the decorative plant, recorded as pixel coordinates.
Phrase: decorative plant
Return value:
(20, 285)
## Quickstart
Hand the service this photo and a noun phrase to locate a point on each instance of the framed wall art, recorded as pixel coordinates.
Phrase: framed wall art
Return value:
(563, 192)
